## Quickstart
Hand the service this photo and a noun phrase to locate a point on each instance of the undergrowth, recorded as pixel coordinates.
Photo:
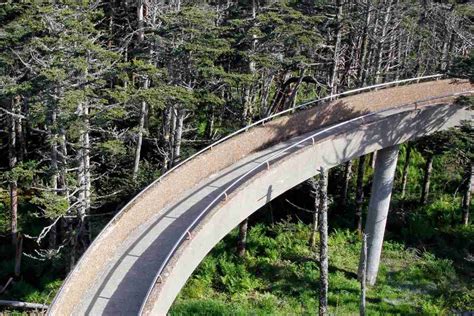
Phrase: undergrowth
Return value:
(279, 275)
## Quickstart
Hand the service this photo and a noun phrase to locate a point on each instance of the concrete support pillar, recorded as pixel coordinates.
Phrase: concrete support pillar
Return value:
(384, 174)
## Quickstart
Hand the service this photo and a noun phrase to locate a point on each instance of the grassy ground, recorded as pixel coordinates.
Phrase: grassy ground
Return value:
(279, 276)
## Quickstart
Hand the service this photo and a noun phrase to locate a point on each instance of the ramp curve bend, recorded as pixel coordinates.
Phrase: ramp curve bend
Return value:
(144, 256)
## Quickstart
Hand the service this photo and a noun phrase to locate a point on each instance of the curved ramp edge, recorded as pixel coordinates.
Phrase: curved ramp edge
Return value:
(153, 201)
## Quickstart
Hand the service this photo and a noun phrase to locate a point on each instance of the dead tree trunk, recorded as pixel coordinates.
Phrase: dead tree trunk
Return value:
(145, 84)
(345, 184)
(337, 44)
(381, 42)
(178, 134)
(12, 161)
(406, 164)
(323, 239)
(427, 179)
(242, 241)
(360, 192)
(314, 225)
(83, 179)
(18, 255)
(166, 135)
(294, 92)
(141, 132)
(373, 158)
(363, 275)
(54, 180)
(466, 201)
(363, 72)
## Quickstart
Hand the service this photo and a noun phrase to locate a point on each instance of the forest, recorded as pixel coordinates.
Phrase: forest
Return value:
(98, 98)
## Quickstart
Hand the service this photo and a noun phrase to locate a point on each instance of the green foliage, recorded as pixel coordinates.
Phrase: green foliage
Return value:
(53, 205)
(463, 67)
(22, 173)
(409, 282)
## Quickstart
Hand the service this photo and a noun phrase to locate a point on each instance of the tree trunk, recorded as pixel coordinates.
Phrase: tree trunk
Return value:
(314, 224)
(178, 134)
(210, 122)
(18, 255)
(83, 179)
(381, 42)
(363, 275)
(54, 170)
(426, 179)
(419, 43)
(166, 137)
(14, 212)
(362, 73)
(266, 85)
(445, 52)
(141, 131)
(466, 204)
(345, 184)
(373, 158)
(405, 170)
(144, 108)
(62, 180)
(294, 92)
(400, 58)
(140, 18)
(172, 135)
(12, 161)
(323, 239)
(24, 305)
(360, 192)
(337, 45)
(242, 241)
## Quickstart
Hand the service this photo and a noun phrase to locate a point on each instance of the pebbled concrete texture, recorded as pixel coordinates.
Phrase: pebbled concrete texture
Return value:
(111, 263)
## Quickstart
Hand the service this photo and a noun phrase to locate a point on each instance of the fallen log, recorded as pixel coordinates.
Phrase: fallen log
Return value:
(24, 305)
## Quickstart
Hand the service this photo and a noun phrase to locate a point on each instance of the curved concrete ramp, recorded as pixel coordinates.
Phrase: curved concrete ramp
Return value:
(121, 273)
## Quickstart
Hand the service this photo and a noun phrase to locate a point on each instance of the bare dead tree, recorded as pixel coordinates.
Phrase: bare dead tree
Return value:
(323, 239)
(314, 183)
(406, 164)
(360, 192)
(363, 275)
(469, 187)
